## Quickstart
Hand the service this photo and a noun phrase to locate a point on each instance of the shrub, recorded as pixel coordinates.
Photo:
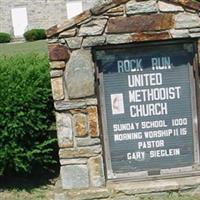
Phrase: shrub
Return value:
(25, 115)
(5, 37)
(35, 34)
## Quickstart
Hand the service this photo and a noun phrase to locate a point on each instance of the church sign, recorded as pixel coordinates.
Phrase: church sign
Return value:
(148, 106)
(125, 79)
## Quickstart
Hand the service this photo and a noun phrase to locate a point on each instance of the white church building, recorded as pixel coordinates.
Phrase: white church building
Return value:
(18, 16)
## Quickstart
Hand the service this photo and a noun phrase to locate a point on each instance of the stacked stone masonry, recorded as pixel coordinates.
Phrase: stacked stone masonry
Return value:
(74, 85)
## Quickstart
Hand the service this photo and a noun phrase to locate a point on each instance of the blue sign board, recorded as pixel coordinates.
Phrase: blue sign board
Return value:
(147, 100)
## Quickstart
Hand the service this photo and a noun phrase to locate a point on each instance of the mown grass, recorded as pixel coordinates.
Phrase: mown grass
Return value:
(12, 49)
(41, 193)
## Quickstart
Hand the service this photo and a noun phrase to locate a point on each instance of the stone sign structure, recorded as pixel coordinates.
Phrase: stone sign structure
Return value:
(125, 83)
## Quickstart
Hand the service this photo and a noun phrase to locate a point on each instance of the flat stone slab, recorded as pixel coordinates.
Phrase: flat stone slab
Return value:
(187, 20)
(141, 23)
(134, 7)
(81, 152)
(141, 187)
(70, 105)
(88, 194)
(95, 27)
(168, 7)
(137, 190)
(74, 176)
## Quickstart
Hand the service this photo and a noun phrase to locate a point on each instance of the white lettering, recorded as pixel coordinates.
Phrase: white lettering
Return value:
(151, 144)
(164, 153)
(129, 65)
(161, 63)
(127, 136)
(148, 110)
(140, 80)
(136, 155)
(153, 124)
(154, 94)
(158, 133)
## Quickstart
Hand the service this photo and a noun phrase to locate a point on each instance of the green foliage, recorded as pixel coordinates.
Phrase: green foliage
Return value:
(35, 34)
(26, 141)
(5, 37)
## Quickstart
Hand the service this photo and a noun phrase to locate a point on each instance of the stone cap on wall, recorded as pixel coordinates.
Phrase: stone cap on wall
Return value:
(87, 16)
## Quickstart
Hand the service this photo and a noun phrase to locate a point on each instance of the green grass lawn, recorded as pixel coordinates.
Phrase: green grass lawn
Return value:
(11, 49)
(41, 193)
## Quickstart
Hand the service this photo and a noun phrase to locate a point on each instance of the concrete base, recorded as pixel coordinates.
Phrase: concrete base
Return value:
(146, 190)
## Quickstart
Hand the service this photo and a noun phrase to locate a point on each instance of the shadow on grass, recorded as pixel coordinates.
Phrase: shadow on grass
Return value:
(28, 183)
